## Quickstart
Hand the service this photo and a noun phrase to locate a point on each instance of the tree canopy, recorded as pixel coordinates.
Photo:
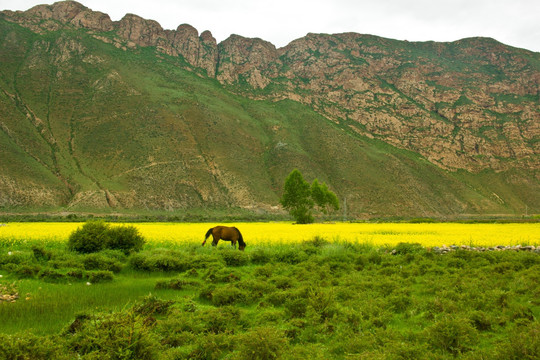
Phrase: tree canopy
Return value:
(300, 198)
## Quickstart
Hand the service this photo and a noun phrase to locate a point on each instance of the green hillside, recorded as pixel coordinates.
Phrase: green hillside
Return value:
(87, 126)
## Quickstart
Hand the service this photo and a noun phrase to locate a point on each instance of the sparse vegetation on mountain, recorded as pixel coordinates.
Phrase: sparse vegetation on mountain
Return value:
(104, 116)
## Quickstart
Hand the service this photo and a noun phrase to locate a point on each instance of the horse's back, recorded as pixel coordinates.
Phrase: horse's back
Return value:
(229, 233)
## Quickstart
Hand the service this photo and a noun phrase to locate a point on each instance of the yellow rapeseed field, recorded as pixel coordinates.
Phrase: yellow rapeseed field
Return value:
(379, 234)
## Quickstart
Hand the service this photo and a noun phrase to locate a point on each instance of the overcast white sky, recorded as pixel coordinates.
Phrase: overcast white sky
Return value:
(513, 22)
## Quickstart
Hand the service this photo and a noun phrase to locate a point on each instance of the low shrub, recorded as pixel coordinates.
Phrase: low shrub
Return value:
(282, 282)
(160, 260)
(98, 261)
(234, 258)
(265, 271)
(30, 346)
(409, 248)
(260, 256)
(255, 289)
(523, 343)
(99, 276)
(151, 305)
(452, 334)
(322, 302)
(15, 257)
(76, 274)
(207, 292)
(27, 271)
(52, 275)
(95, 236)
(481, 320)
(125, 238)
(66, 260)
(291, 255)
(296, 307)
(211, 346)
(219, 274)
(262, 343)
(120, 335)
(41, 254)
(225, 319)
(176, 284)
(229, 295)
(277, 298)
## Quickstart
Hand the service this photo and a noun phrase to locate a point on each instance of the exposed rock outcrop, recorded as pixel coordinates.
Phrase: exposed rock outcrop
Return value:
(471, 104)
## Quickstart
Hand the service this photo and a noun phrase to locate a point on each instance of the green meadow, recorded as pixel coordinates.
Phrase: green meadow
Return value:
(315, 299)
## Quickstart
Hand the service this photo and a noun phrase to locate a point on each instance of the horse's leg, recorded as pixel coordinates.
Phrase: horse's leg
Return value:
(216, 239)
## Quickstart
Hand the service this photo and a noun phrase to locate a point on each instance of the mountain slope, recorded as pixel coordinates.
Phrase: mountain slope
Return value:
(91, 121)
(471, 104)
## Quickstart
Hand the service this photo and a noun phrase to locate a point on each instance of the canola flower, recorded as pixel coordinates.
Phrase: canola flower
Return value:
(376, 234)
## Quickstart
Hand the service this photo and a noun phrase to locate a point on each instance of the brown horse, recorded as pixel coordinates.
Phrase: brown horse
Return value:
(226, 233)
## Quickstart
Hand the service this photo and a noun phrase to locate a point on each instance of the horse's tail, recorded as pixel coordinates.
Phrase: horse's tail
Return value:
(208, 233)
(242, 244)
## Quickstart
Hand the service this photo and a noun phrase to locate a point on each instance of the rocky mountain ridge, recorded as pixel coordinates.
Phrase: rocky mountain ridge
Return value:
(101, 114)
(471, 104)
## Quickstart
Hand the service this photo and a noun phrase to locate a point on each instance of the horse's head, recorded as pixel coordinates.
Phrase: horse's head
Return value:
(242, 246)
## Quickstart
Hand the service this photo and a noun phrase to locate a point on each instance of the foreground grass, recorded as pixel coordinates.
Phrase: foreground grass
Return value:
(315, 299)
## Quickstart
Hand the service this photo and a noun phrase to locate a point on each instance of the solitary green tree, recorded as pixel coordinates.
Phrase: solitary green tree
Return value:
(297, 198)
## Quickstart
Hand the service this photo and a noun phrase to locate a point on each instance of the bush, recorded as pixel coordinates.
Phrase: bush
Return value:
(264, 343)
(228, 295)
(76, 274)
(296, 307)
(100, 261)
(454, 335)
(523, 343)
(234, 258)
(128, 239)
(211, 346)
(91, 237)
(27, 271)
(160, 260)
(51, 275)
(226, 319)
(151, 305)
(260, 256)
(219, 274)
(41, 254)
(29, 346)
(290, 256)
(282, 282)
(15, 257)
(409, 248)
(95, 236)
(122, 335)
(176, 284)
(100, 276)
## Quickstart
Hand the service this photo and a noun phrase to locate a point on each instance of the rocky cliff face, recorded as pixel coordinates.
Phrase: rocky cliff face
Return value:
(471, 104)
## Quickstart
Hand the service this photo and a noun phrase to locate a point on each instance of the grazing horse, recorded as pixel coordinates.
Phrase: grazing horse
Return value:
(226, 233)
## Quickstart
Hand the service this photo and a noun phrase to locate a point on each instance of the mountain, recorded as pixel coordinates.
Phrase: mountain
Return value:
(100, 115)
